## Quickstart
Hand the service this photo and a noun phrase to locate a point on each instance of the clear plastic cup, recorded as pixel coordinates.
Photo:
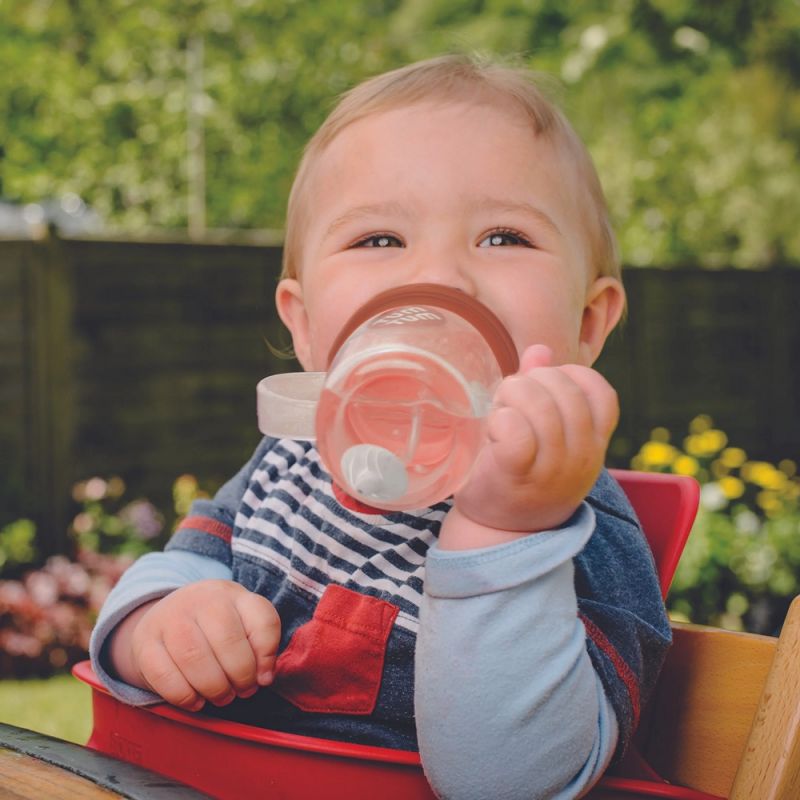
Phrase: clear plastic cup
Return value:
(401, 413)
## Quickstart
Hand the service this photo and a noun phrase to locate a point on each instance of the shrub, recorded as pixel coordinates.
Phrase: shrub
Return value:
(47, 613)
(108, 525)
(46, 616)
(741, 566)
(17, 547)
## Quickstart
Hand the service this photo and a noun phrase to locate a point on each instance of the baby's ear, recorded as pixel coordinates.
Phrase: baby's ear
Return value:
(605, 302)
(292, 311)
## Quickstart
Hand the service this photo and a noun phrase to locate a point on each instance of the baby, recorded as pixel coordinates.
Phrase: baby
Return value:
(512, 632)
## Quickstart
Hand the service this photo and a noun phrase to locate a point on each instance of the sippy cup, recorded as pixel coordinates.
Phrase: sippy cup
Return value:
(400, 415)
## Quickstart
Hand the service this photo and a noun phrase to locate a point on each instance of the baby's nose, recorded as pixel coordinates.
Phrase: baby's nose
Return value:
(447, 271)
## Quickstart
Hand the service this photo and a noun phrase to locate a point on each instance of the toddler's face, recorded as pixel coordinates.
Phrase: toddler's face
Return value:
(460, 194)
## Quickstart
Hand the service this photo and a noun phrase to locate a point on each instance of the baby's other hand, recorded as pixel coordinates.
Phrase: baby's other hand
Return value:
(548, 434)
(211, 640)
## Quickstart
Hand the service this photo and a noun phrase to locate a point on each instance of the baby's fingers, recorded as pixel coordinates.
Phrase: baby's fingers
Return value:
(512, 438)
(262, 626)
(600, 395)
(224, 629)
(163, 677)
(539, 406)
(188, 644)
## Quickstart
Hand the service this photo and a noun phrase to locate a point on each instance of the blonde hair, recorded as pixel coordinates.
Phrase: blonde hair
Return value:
(453, 78)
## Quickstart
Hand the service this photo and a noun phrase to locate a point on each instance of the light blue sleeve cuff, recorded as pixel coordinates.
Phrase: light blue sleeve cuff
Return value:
(458, 574)
(149, 578)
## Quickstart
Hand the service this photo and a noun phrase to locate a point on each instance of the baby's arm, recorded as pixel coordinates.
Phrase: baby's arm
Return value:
(507, 702)
(178, 625)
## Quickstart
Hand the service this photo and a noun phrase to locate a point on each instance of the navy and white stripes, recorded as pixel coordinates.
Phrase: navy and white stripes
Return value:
(290, 521)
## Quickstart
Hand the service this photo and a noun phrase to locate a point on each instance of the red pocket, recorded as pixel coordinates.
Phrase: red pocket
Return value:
(334, 663)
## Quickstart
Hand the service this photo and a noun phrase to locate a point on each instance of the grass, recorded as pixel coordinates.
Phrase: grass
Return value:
(59, 706)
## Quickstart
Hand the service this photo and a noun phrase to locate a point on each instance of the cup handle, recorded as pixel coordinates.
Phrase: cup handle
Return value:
(286, 404)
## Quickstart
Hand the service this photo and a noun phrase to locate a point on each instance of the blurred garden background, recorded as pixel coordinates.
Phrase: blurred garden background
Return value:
(146, 152)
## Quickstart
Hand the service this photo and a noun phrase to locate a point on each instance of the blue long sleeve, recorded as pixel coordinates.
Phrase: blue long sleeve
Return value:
(507, 702)
(157, 574)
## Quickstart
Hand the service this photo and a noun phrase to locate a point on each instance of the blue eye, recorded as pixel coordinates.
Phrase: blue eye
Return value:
(504, 238)
(380, 240)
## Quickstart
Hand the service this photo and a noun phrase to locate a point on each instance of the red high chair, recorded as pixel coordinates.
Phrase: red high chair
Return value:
(705, 677)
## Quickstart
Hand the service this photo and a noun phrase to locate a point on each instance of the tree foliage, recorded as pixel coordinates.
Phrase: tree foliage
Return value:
(691, 110)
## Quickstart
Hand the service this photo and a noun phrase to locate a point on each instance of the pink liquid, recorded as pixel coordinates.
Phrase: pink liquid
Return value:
(412, 406)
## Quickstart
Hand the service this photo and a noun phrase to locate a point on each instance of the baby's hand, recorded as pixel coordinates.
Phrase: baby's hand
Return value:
(211, 640)
(548, 436)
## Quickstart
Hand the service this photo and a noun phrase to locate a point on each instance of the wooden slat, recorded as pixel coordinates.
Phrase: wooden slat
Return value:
(699, 719)
(25, 778)
(34, 766)
(770, 767)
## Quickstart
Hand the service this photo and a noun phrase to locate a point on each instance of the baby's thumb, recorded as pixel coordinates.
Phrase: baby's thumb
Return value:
(262, 625)
(537, 355)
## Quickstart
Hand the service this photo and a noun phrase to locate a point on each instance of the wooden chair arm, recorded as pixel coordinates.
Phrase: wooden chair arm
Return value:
(770, 766)
(725, 714)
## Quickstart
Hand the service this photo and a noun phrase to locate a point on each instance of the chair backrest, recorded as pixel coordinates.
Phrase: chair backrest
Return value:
(666, 506)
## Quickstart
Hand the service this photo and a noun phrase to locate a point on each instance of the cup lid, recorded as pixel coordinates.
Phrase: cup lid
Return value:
(482, 318)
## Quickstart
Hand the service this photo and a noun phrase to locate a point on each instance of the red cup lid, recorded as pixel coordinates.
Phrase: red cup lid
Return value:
(483, 319)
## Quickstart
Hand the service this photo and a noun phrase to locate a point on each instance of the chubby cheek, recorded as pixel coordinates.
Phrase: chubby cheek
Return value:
(328, 313)
(559, 329)
(323, 328)
(318, 348)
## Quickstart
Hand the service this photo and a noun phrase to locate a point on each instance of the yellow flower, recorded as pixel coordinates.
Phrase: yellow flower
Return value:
(714, 440)
(768, 501)
(788, 467)
(733, 457)
(777, 480)
(685, 465)
(657, 454)
(659, 435)
(731, 487)
(184, 491)
(705, 444)
(693, 445)
(700, 423)
(763, 474)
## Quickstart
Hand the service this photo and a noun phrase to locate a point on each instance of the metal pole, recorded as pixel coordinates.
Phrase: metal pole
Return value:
(195, 137)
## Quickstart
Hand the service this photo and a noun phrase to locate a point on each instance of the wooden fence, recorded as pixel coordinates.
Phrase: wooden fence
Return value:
(140, 359)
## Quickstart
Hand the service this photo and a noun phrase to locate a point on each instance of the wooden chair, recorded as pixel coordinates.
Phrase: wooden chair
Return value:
(724, 720)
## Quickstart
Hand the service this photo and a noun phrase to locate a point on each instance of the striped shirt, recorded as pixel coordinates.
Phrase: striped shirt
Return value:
(291, 522)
